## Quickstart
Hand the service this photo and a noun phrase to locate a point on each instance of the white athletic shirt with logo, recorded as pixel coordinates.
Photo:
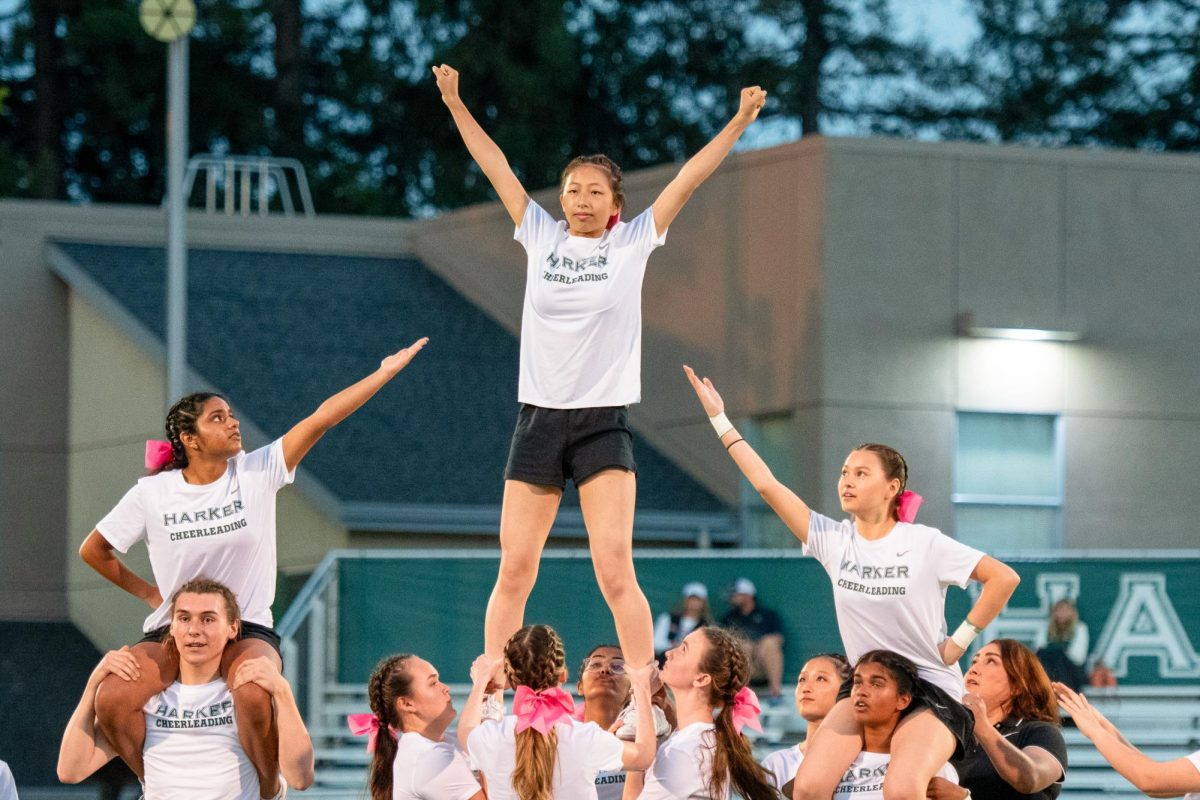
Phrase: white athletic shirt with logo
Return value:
(890, 593)
(1195, 759)
(581, 328)
(427, 770)
(192, 749)
(224, 530)
(864, 779)
(584, 749)
(781, 765)
(610, 784)
(683, 766)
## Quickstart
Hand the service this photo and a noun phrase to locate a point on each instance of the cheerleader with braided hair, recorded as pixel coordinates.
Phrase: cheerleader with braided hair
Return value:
(208, 508)
(540, 752)
(708, 757)
(415, 757)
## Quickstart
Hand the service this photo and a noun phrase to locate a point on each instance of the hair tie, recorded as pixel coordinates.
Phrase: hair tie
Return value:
(906, 506)
(158, 454)
(540, 710)
(746, 710)
(613, 220)
(366, 725)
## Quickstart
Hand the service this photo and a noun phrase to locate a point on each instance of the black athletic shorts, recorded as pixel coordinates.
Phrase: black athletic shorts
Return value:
(957, 718)
(250, 630)
(550, 445)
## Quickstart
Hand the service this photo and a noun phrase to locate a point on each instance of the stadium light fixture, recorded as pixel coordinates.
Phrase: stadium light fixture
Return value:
(964, 326)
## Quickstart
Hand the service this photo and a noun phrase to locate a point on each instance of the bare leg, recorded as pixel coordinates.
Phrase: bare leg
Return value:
(607, 500)
(829, 754)
(769, 653)
(119, 702)
(256, 726)
(525, 520)
(920, 746)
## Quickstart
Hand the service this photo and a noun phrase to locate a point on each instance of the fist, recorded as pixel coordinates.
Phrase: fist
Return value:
(753, 98)
(447, 81)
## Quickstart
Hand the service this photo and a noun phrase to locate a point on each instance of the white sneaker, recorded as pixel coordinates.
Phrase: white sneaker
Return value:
(628, 719)
(493, 706)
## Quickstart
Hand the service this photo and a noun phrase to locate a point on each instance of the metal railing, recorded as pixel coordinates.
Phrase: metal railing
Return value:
(248, 184)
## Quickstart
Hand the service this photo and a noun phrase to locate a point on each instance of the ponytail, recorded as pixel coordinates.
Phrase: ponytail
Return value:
(389, 682)
(535, 657)
(727, 662)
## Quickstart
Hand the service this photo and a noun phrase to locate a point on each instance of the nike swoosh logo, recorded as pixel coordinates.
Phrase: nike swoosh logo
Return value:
(902, 552)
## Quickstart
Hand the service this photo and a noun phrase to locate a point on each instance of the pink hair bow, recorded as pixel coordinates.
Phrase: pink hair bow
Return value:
(540, 710)
(365, 725)
(906, 506)
(746, 710)
(158, 454)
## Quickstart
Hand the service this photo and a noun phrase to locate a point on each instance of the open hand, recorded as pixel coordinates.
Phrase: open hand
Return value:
(447, 81)
(122, 663)
(1089, 721)
(753, 98)
(399, 360)
(950, 651)
(712, 402)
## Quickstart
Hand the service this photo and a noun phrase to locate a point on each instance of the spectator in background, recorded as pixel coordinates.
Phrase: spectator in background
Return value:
(763, 629)
(1063, 647)
(691, 612)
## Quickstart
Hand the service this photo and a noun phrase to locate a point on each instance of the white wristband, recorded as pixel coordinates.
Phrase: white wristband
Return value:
(965, 634)
(721, 424)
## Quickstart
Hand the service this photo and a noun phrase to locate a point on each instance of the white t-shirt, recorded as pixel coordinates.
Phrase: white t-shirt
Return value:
(864, 779)
(610, 784)
(427, 770)
(581, 328)
(584, 749)
(1195, 759)
(192, 750)
(890, 593)
(224, 530)
(8, 786)
(781, 765)
(683, 766)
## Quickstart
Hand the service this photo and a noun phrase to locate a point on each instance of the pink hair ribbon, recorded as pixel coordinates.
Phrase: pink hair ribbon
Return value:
(540, 710)
(365, 725)
(613, 220)
(746, 710)
(906, 506)
(158, 454)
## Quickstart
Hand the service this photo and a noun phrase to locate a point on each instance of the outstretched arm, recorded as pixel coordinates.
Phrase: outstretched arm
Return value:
(97, 553)
(308, 431)
(790, 508)
(84, 749)
(700, 166)
(639, 753)
(486, 153)
(483, 671)
(296, 758)
(1157, 778)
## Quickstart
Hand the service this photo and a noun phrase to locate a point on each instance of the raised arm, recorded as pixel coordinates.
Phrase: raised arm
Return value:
(98, 554)
(486, 153)
(1156, 778)
(790, 508)
(700, 166)
(308, 431)
(296, 757)
(999, 582)
(639, 753)
(483, 670)
(84, 749)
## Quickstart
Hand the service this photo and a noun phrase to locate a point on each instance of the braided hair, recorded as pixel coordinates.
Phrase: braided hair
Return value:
(390, 681)
(894, 467)
(535, 657)
(181, 419)
(727, 663)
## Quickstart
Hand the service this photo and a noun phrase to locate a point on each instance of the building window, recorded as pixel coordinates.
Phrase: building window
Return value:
(1008, 479)
(773, 438)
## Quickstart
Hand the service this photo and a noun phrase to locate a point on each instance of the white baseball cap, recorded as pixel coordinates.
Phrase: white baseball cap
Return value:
(695, 589)
(743, 586)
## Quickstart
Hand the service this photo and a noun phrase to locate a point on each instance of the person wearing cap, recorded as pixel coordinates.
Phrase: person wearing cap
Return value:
(690, 613)
(764, 630)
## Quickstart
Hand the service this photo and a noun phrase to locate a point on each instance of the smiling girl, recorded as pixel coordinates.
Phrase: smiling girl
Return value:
(209, 509)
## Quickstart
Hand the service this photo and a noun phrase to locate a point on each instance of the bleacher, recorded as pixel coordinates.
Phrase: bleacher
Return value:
(1164, 722)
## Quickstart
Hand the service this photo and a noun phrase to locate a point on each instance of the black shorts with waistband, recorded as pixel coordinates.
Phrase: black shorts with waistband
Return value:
(550, 445)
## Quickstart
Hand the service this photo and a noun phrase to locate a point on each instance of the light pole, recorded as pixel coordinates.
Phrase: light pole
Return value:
(170, 21)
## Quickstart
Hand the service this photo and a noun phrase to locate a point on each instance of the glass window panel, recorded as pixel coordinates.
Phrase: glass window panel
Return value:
(1006, 454)
(1006, 528)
